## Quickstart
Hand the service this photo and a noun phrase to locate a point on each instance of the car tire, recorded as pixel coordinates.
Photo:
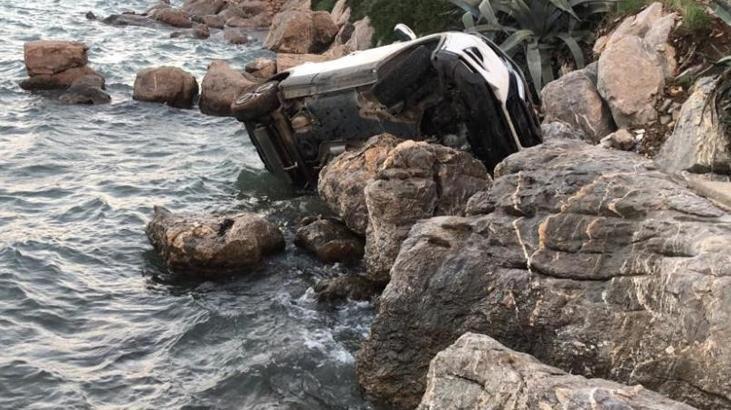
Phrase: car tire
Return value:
(397, 83)
(257, 102)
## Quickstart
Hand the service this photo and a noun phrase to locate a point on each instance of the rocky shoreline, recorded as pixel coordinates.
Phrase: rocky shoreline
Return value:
(575, 274)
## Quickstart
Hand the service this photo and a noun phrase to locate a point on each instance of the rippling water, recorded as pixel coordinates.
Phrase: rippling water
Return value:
(88, 317)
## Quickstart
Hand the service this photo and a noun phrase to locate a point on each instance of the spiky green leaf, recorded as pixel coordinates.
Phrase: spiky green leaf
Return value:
(574, 47)
(516, 39)
(533, 58)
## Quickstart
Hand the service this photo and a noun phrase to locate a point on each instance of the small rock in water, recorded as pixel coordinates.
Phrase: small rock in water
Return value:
(172, 17)
(86, 90)
(212, 245)
(329, 240)
(235, 35)
(168, 85)
(353, 287)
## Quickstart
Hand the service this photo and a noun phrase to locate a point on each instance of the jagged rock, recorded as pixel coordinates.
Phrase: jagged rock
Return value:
(220, 87)
(169, 85)
(573, 99)
(352, 287)
(342, 182)
(329, 240)
(285, 61)
(48, 57)
(212, 245)
(478, 372)
(593, 261)
(59, 81)
(172, 17)
(203, 7)
(262, 68)
(634, 65)
(340, 13)
(235, 35)
(301, 32)
(621, 139)
(86, 90)
(362, 35)
(417, 180)
(698, 143)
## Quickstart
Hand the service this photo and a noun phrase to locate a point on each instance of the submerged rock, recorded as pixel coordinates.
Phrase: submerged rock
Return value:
(86, 90)
(592, 260)
(220, 87)
(353, 287)
(329, 240)
(122, 20)
(698, 142)
(59, 81)
(478, 372)
(169, 85)
(212, 245)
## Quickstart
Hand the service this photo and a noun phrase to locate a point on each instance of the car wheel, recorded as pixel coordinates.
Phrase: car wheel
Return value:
(257, 102)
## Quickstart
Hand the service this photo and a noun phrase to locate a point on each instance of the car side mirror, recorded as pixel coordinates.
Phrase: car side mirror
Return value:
(404, 33)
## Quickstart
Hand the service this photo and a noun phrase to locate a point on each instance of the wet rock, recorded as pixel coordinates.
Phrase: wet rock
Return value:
(621, 139)
(199, 31)
(698, 143)
(172, 17)
(573, 99)
(262, 68)
(213, 21)
(329, 240)
(203, 7)
(48, 57)
(59, 81)
(301, 32)
(417, 180)
(162, 4)
(342, 182)
(286, 61)
(477, 370)
(346, 287)
(169, 85)
(87, 90)
(122, 20)
(634, 65)
(235, 35)
(592, 261)
(220, 87)
(212, 245)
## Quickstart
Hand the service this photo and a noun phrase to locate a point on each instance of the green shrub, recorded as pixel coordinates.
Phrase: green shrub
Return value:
(423, 16)
(323, 5)
(695, 18)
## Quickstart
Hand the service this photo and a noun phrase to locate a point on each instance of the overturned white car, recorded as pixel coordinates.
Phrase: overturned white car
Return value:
(454, 88)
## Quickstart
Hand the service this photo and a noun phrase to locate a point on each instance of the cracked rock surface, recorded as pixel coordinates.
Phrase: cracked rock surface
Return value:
(477, 372)
(589, 259)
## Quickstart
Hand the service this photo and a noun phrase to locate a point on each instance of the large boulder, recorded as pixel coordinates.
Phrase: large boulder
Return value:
(589, 259)
(342, 182)
(573, 99)
(301, 31)
(634, 65)
(285, 61)
(417, 180)
(212, 245)
(698, 142)
(478, 372)
(172, 17)
(168, 85)
(329, 240)
(48, 57)
(220, 87)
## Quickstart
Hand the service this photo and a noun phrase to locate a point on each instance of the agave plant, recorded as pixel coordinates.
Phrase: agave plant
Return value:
(722, 95)
(542, 29)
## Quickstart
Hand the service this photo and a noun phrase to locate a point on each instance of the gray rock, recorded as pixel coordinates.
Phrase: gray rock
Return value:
(698, 143)
(593, 261)
(561, 130)
(477, 372)
(123, 20)
(351, 287)
(573, 99)
(329, 240)
(417, 180)
(212, 245)
(621, 139)
(86, 90)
